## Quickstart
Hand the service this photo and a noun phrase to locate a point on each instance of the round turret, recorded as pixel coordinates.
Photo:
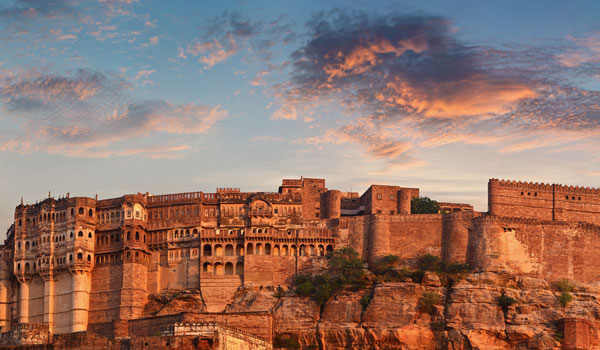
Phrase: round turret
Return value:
(404, 201)
(333, 204)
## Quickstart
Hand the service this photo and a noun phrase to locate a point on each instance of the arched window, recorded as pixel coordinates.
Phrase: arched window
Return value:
(19, 222)
(268, 249)
(311, 250)
(321, 250)
(90, 234)
(70, 257)
(276, 250)
(26, 266)
(128, 235)
(137, 236)
(249, 249)
(302, 250)
(80, 234)
(229, 250)
(26, 245)
(195, 232)
(239, 250)
(80, 211)
(187, 233)
(207, 251)
(71, 234)
(79, 256)
(207, 268)
(219, 250)
(89, 258)
(329, 249)
(219, 270)
(229, 268)
(284, 250)
(258, 250)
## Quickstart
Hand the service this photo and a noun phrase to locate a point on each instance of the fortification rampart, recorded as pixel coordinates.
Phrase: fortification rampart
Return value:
(542, 248)
(543, 201)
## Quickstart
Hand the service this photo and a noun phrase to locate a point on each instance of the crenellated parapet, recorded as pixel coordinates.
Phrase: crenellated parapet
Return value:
(501, 183)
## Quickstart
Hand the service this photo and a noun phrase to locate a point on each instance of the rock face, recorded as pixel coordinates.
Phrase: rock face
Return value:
(171, 302)
(467, 316)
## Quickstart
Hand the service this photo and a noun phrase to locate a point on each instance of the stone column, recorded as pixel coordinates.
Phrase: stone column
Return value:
(4, 319)
(80, 301)
(23, 301)
(49, 303)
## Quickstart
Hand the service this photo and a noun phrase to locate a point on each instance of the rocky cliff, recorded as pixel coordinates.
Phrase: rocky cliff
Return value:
(465, 314)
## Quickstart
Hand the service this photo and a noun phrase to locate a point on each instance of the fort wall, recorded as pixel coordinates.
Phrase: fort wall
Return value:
(407, 236)
(548, 249)
(543, 201)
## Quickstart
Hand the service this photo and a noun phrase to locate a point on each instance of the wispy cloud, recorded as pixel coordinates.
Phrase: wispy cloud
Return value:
(231, 33)
(87, 113)
(407, 82)
(31, 9)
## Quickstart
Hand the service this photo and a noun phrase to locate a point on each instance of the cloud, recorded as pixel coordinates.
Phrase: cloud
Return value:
(286, 112)
(213, 52)
(89, 114)
(231, 33)
(406, 82)
(144, 74)
(586, 50)
(34, 90)
(31, 9)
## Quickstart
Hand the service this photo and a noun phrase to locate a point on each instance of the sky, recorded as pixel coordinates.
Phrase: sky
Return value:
(110, 97)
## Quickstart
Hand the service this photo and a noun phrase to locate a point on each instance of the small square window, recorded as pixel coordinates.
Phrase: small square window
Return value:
(379, 196)
(378, 211)
(391, 197)
(566, 197)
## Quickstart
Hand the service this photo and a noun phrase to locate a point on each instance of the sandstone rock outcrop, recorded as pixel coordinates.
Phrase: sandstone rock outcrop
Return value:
(469, 315)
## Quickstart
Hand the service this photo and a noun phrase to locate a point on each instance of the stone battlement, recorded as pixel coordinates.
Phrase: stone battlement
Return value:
(544, 186)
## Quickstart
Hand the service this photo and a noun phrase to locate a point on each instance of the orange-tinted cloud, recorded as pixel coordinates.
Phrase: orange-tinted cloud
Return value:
(89, 114)
(407, 82)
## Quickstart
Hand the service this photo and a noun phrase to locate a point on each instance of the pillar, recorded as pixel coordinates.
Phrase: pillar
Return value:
(80, 302)
(23, 302)
(49, 303)
(4, 317)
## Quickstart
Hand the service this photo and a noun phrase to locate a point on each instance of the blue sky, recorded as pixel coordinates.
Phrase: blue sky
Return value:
(122, 96)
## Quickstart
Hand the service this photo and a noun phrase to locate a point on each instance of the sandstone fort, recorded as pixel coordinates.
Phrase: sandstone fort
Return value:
(171, 270)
